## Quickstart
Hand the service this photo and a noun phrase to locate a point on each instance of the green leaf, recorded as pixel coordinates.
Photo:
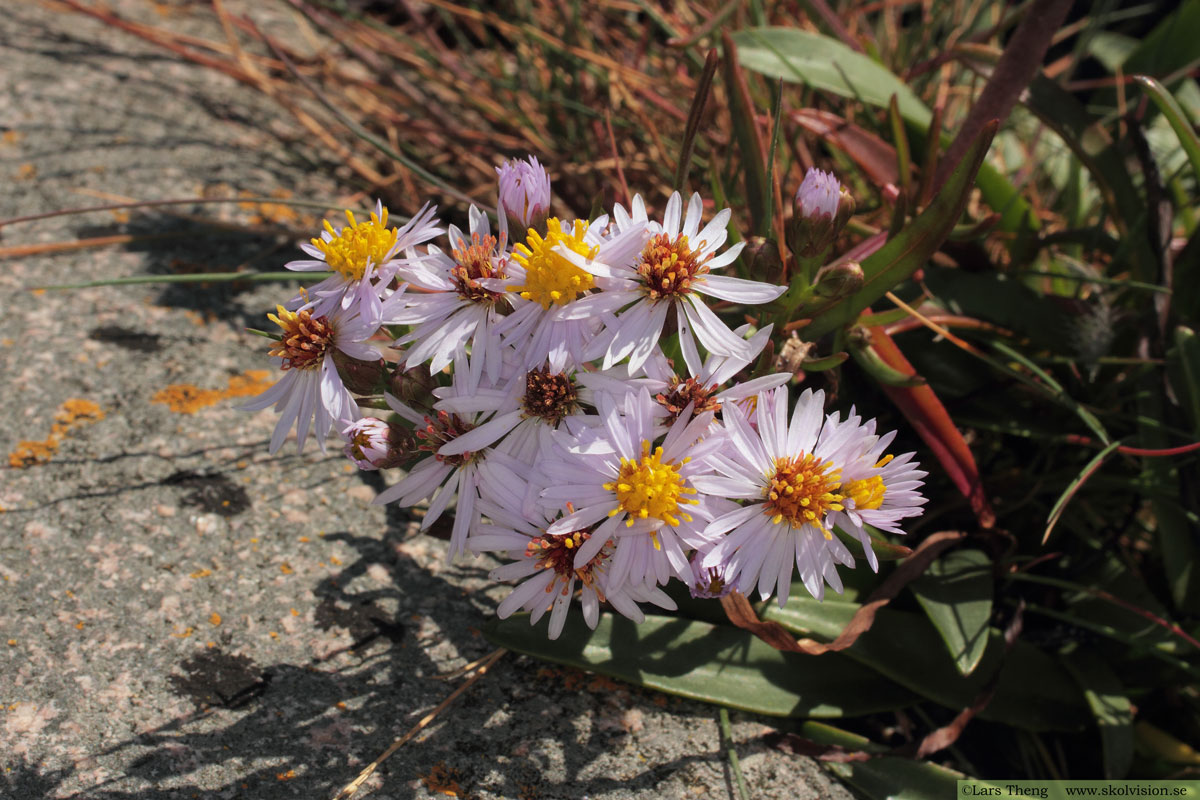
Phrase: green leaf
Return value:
(1176, 117)
(1113, 712)
(824, 63)
(714, 663)
(912, 247)
(1183, 368)
(745, 131)
(1035, 692)
(956, 593)
(886, 777)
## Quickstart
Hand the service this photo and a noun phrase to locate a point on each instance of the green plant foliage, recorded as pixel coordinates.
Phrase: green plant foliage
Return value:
(884, 777)
(1034, 691)
(714, 663)
(956, 593)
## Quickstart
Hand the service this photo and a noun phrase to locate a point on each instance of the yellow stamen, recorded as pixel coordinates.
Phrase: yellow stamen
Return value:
(802, 490)
(649, 488)
(357, 244)
(550, 279)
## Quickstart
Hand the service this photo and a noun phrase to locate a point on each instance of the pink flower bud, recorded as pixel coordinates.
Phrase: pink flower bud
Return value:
(372, 443)
(818, 194)
(524, 194)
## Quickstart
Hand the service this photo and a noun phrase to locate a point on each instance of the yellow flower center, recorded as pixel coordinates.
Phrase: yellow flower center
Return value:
(550, 279)
(358, 244)
(802, 491)
(867, 493)
(649, 488)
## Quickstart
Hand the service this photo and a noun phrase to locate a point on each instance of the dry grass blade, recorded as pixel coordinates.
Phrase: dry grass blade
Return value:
(351, 788)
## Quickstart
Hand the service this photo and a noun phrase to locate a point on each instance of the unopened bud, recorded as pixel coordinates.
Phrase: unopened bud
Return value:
(820, 209)
(840, 280)
(414, 386)
(372, 443)
(761, 257)
(524, 195)
(360, 377)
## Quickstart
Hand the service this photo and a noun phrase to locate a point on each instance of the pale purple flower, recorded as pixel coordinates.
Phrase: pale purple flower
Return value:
(788, 477)
(461, 301)
(442, 477)
(672, 271)
(640, 492)
(545, 563)
(878, 489)
(311, 394)
(361, 257)
(543, 328)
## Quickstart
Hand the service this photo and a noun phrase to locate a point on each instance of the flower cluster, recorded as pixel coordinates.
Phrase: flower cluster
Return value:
(567, 385)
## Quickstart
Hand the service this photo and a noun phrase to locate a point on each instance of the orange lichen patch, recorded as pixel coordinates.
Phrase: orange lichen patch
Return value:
(286, 568)
(26, 171)
(183, 635)
(200, 573)
(79, 625)
(12, 642)
(184, 398)
(277, 213)
(71, 414)
(12, 137)
(286, 776)
(214, 619)
(442, 780)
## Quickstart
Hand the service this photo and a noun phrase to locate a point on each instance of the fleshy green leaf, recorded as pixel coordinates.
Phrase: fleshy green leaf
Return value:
(827, 64)
(886, 777)
(1113, 712)
(714, 663)
(800, 57)
(956, 593)
(1035, 691)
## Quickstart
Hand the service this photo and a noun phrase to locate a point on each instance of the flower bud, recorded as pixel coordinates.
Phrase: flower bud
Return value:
(820, 209)
(761, 257)
(524, 195)
(360, 377)
(414, 386)
(372, 443)
(840, 280)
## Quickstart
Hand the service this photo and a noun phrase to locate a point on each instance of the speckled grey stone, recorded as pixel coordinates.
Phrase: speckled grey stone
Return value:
(181, 614)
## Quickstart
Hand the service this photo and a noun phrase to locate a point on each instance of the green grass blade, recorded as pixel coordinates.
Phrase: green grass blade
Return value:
(1176, 117)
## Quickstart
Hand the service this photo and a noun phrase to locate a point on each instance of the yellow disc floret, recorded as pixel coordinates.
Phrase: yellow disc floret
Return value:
(648, 488)
(550, 279)
(867, 493)
(802, 490)
(359, 243)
